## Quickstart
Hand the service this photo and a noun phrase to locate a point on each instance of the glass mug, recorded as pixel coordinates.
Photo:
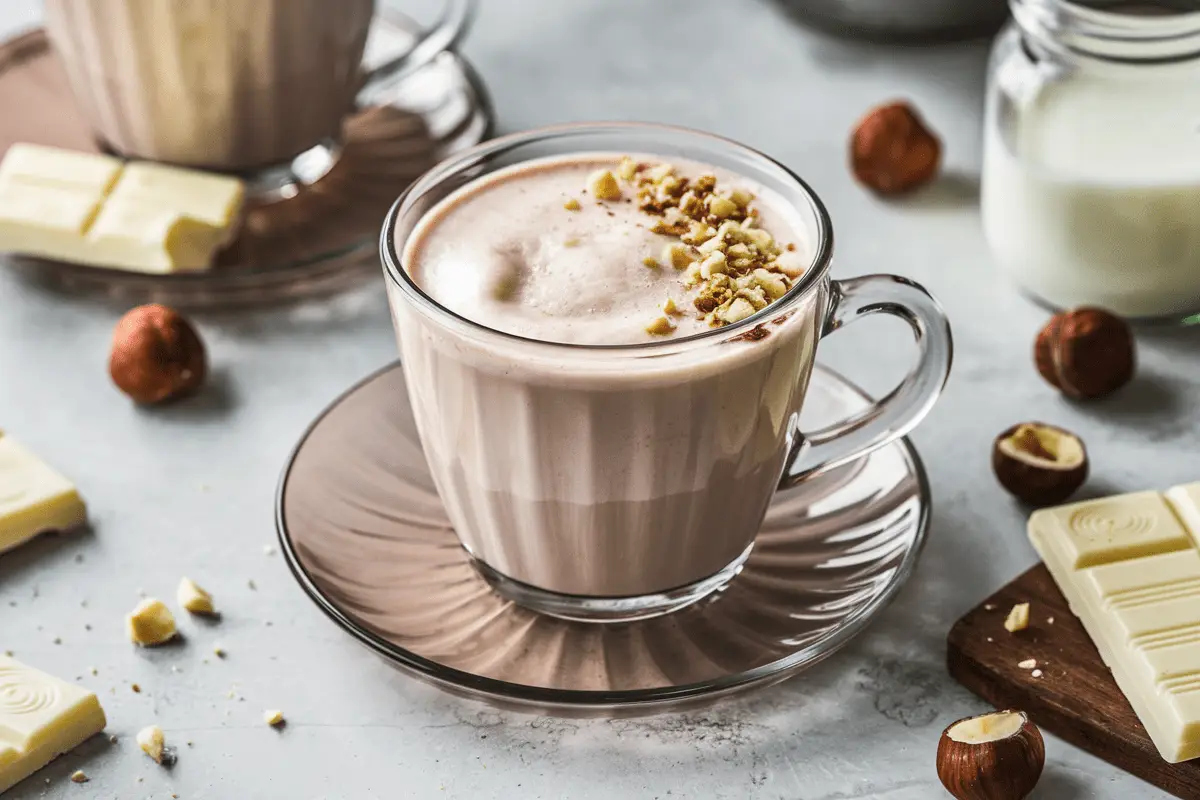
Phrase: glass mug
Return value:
(229, 85)
(616, 482)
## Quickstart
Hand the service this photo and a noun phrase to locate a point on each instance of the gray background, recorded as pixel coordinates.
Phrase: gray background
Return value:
(188, 489)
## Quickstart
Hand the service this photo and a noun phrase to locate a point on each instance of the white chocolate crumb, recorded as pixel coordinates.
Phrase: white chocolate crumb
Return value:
(194, 599)
(1028, 663)
(1037, 673)
(989, 606)
(153, 742)
(150, 623)
(990, 639)
(602, 185)
(1018, 618)
(273, 717)
(1049, 620)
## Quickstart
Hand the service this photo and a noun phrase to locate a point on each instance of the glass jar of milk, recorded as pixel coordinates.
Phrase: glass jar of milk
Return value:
(1091, 171)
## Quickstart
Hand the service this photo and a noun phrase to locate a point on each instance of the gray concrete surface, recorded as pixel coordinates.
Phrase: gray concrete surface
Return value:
(188, 489)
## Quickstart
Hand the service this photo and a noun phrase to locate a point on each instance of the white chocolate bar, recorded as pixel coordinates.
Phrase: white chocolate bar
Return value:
(41, 717)
(34, 498)
(95, 210)
(1130, 568)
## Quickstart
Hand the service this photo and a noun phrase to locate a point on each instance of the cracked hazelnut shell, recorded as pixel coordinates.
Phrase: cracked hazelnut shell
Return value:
(1038, 463)
(996, 756)
(156, 355)
(1085, 352)
(892, 151)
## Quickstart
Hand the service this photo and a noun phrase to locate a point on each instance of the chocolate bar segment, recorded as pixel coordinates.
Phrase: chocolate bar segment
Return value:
(1130, 568)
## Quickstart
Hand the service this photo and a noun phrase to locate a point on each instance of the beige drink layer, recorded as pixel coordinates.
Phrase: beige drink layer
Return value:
(588, 472)
(531, 251)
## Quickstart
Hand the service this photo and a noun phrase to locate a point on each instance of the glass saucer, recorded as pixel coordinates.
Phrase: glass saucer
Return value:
(365, 535)
(321, 239)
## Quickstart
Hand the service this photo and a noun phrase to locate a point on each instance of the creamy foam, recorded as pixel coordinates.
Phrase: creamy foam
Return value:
(579, 275)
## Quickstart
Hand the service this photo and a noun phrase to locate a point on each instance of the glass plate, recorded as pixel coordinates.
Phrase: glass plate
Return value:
(365, 535)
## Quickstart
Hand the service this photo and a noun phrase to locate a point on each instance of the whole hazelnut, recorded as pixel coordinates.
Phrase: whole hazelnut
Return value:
(156, 355)
(1085, 352)
(997, 756)
(892, 151)
(1038, 463)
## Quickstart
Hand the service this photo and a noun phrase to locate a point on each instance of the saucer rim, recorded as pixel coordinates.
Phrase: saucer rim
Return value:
(509, 693)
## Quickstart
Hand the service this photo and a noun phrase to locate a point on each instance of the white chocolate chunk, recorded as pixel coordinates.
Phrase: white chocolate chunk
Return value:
(41, 717)
(91, 209)
(194, 599)
(151, 623)
(153, 742)
(34, 498)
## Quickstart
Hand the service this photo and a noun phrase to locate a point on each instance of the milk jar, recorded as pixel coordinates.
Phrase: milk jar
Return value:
(1091, 172)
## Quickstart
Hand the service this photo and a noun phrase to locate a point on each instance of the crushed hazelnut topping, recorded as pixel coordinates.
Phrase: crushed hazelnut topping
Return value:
(660, 326)
(627, 169)
(669, 307)
(274, 717)
(79, 776)
(571, 243)
(602, 185)
(735, 267)
(678, 255)
(572, 205)
(650, 263)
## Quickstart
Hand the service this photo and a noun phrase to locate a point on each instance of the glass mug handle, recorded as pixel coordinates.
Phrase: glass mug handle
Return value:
(893, 416)
(441, 36)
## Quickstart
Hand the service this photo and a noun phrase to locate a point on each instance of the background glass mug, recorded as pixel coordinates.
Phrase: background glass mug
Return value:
(617, 482)
(231, 85)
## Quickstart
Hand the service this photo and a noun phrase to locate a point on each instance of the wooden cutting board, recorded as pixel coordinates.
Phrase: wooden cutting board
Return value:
(1075, 698)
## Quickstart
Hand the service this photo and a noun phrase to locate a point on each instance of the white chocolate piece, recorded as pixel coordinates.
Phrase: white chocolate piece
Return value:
(194, 599)
(1131, 571)
(41, 717)
(93, 210)
(273, 717)
(151, 623)
(34, 498)
(153, 742)
(52, 166)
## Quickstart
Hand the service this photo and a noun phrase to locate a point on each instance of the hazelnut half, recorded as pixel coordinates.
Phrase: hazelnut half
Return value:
(156, 355)
(892, 151)
(996, 756)
(1085, 352)
(1038, 463)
